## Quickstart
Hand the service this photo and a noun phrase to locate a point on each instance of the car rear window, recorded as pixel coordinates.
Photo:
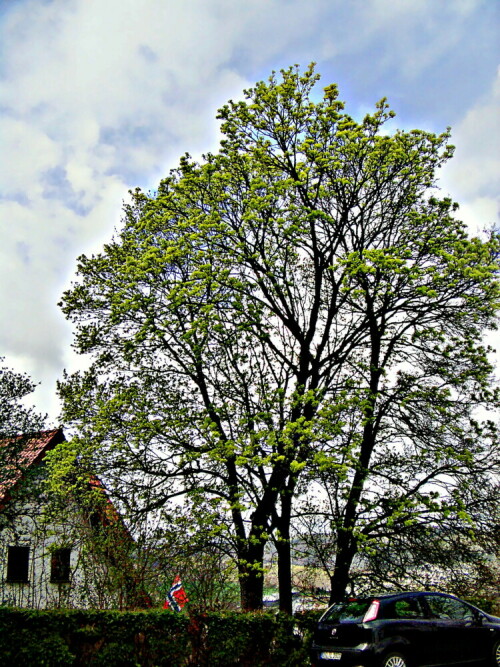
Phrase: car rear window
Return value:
(352, 610)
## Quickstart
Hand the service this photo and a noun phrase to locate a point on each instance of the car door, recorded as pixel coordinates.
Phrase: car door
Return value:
(458, 636)
(408, 624)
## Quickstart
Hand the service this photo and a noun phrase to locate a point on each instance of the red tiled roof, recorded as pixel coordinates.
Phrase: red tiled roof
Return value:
(110, 512)
(32, 449)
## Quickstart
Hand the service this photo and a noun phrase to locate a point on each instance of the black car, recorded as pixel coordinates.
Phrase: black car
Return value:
(406, 630)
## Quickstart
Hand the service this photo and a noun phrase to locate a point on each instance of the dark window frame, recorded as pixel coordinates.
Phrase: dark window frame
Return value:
(18, 562)
(60, 566)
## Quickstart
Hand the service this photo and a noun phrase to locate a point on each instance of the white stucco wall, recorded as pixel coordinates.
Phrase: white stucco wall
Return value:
(23, 522)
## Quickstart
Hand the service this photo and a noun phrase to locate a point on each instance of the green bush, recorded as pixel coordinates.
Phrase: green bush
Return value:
(235, 638)
(31, 638)
(152, 638)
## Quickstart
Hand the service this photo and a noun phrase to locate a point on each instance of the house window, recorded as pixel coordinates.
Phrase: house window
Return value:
(18, 564)
(60, 566)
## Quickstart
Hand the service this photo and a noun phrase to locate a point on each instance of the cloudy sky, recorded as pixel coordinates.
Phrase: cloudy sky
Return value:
(99, 96)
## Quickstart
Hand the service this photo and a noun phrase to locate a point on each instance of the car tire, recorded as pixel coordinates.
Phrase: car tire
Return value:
(394, 660)
(495, 655)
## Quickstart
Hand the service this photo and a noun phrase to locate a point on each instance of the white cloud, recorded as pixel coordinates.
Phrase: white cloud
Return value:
(472, 176)
(99, 96)
(20, 140)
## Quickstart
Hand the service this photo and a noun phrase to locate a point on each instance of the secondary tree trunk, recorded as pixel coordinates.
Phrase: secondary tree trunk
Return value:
(283, 548)
(347, 546)
(340, 579)
(284, 575)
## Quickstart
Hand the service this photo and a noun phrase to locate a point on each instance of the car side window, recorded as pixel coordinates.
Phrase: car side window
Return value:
(449, 608)
(404, 608)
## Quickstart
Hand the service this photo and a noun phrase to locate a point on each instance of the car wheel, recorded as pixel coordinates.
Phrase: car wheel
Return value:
(394, 660)
(496, 654)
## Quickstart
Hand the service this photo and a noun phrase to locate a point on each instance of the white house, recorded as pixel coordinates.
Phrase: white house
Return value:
(67, 561)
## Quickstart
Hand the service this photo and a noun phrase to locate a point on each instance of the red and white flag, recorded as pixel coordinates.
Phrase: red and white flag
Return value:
(176, 596)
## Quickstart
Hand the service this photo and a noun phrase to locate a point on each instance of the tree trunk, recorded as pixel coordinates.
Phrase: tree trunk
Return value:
(284, 575)
(339, 581)
(347, 546)
(283, 549)
(251, 576)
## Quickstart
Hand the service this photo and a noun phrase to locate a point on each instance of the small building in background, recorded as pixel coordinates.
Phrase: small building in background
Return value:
(74, 553)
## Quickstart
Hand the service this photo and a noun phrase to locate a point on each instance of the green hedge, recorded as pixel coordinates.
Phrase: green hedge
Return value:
(151, 638)
(30, 637)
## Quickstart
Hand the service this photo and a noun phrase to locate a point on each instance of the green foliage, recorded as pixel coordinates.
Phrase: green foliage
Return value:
(210, 577)
(56, 638)
(77, 637)
(17, 423)
(235, 638)
(15, 417)
(30, 637)
(298, 308)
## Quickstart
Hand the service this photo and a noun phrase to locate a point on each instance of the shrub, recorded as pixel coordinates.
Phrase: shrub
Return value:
(152, 638)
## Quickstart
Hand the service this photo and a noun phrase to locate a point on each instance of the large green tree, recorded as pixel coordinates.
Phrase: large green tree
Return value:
(301, 302)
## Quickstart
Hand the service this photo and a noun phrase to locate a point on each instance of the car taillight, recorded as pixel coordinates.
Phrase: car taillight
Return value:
(372, 611)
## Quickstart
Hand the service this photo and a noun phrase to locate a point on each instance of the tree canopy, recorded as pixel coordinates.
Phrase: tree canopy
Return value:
(18, 422)
(15, 417)
(300, 308)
